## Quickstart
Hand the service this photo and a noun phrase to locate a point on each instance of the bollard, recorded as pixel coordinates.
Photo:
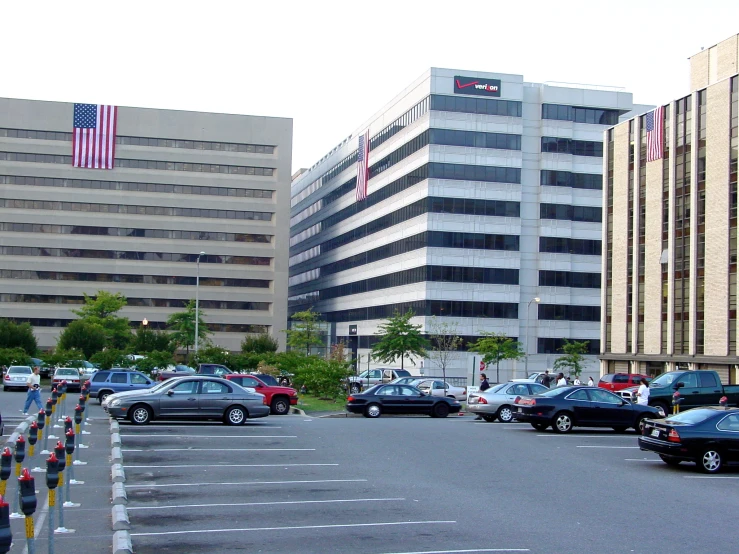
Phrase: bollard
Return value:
(6, 537)
(52, 481)
(54, 399)
(69, 449)
(82, 405)
(7, 460)
(32, 438)
(676, 400)
(48, 408)
(63, 400)
(27, 493)
(59, 451)
(20, 455)
(724, 402)
(40, 424)
(67, 424)
(80, 446)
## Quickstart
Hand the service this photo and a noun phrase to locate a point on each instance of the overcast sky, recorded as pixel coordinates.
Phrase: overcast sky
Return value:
(329, 65)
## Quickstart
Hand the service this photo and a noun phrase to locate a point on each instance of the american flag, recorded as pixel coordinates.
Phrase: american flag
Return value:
(655, 124)
(93, 140)
(363, 165)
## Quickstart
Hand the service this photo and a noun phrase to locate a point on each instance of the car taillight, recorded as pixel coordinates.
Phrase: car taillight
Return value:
(350, 399)
(673, 436)
(7, 377)
(481, 400)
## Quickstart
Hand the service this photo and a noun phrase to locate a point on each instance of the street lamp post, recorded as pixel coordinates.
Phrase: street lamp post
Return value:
(197, 301)
(144, 324)
(526, 357)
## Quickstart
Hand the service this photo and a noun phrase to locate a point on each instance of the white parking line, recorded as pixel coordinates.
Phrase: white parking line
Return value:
(267, 503)
(228, 465)
(220, 449)
(597, 446)
(641, 460)
(248, 483)
(709, 477)
(291, 527)
(589, 436)
(220, 436)
(463, 551)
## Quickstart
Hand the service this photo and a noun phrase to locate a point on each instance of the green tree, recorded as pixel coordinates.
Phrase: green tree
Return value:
(399, 338)
(259, 344)
(155, 359)
(573, 359)
(305, 331)
(101, 309)
(13, 356)
(84, 335)
(149, 340)
(496, 347)
(110, 357)
(59, 356)
(322, 378)
(17, 335)
(182, 327)
(213, 355)
(445, 343)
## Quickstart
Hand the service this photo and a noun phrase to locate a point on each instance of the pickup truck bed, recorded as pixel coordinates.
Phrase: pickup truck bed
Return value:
(696, 387)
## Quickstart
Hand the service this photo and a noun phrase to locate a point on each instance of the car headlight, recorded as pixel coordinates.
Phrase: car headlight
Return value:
(114, 402)
(661, 411)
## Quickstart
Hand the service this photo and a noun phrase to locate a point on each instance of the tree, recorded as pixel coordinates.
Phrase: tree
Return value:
(155, 359)
(83, 335)
(496, 347)
(259, 344)
(323, 378)
(149, 340)
(399, 338)
(182, 325)
(17, 335)
(444, 343)
(573, 358)
(13, 356)
(101, 309)
(110, 357)
(305, 331)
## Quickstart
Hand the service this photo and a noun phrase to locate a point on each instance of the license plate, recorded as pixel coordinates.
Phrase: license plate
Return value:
(655, 432)
(519, 410)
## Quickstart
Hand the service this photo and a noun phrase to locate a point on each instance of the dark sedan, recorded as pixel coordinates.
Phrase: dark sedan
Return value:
(708, 436)
(566, 407)
(399, 399)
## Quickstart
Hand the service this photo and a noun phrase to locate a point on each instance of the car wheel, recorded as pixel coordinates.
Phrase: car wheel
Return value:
(669, 461)
(441, 409)
(373, 411)
(236, 415)
(489, 418)
(102, 395)
(540, 426)
(562, 422)
(639, 427)
(280, 405)
(711, 461)
(505, 414)
(140, 414)
(355, 388)
(620, 429)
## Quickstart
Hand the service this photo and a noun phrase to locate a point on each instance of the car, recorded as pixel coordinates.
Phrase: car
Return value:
(497, 401)
(707, 436)
(437, 387)
(375, 376)
(175, 371)
(109, 381)
(84, 367)
(44, 369)
(69, 374)
(195, 398)
(16, 376)
(399, 399)
(616, 381)
(577, 406)
(537, 377)
(407, 380)
(279, 398)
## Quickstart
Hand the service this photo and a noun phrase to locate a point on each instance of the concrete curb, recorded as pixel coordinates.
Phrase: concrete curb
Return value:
(298, 411)
(119, 494)
(120, 519)
(121, 524)
(122, 543)
(117, 473)
(116, 456)
(115, 439)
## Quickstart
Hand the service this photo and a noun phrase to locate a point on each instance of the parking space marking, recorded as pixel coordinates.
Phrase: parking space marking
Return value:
(220, 436)
(268, 503)
(228, 465)
(598, 446)
(709, 477)
(463, 551)
(641, 460)
(220, 449)
(247, 483)
(588, 436)
(292, 528)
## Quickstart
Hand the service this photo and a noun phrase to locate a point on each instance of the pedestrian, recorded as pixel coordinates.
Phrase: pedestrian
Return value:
(576, 382)
(561, 381)
(33, 383)
(642, 395)
(546, 379)
(590, 382)
(484, 385)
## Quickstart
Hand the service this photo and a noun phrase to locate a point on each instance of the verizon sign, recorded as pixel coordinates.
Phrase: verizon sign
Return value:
(476, 86)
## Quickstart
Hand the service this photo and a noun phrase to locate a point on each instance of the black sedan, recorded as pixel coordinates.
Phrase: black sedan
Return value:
(566, 407)
(708, 436)
(399, 399)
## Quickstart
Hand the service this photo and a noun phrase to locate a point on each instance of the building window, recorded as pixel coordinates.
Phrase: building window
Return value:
(733, 158)
(552, 178)
(573, 279)
(609, 239)
(569, 313)
(548, 345)
(558, 145)
(590, 214)
(484, 106)
(682, 223)
(560, 245)
(577, 114)
(441, 308)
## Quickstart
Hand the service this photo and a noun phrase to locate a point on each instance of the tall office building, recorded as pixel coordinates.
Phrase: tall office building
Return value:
(183, 183)
(484, 194)
(670, 276)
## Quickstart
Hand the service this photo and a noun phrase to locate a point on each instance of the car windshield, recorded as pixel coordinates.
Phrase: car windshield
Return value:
(268, 380)
(67, 372)
(664, 380)
(691, 417)
(555, 392)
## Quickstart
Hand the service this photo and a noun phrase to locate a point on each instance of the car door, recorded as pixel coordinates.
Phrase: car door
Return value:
(214, 398)
(248, 382)
(728, 429)
(119, 381)
(180, 400)
(581, 404)
(711, 390)
(514, 391)
(138, 381)
(415, 401)
(609, 409)
(390, 399)
(690, 390)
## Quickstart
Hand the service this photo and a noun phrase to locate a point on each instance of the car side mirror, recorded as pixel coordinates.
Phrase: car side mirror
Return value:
(170, 392)
(148, 382)
(679, 385)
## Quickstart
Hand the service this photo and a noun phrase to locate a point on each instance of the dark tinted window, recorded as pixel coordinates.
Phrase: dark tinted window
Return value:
(118, 378)
(620, 378)
(581, 394)
(100, 376)
(708, 380)
(607, 378)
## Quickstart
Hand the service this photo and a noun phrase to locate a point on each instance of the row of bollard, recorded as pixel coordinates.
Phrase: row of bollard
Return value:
(59, 460)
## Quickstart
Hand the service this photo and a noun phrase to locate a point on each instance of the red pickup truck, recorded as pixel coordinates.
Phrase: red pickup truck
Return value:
(279, 398)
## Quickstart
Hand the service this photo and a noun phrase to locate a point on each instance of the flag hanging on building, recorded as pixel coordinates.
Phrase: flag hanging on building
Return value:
(363, 165)
(655, 125)
(93, 139)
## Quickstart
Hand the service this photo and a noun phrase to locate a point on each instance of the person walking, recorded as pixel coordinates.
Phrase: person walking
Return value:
(484, 385)
(33, 383)
(546, 379)
(561, 381)
(642, 395)
(576, 381)
(590, 382)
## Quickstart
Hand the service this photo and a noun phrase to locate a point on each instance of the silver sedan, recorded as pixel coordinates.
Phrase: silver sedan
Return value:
(495, 403)
(195, 397)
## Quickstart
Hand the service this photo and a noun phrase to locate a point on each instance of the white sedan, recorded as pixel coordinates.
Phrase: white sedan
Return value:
(437, 387)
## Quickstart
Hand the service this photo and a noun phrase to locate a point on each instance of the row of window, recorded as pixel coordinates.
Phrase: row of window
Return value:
(548, 345)
(144, 164)
(134, 187)
(593, 181)
(428, 308)
(573, 279)
(485, 106)
(558, 145)
(135, 210)
(474, 139)
(590, 214)
(149, 302)
(568, 312)
(249, 328)
(407, 149)
(561, 245)
(146, 141)
(128, 232)
(598, 116)
(132, 255)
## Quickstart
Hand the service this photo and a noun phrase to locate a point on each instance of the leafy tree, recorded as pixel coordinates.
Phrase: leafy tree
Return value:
(306, 331)
(155, 359)
(101, 309)
(496, 347)
(213, 355)
(13, 356)
(17, 335)
(84, 335)
(573, 359)
(182, 326)
(259, 344)
(323, 378)
(59, 356)
(149, 340)
(110, 357)
(399, 339)
(444, 343)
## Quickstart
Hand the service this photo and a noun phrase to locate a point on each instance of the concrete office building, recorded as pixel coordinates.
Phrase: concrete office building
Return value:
(670, 276)
(183, 183)
(484, 194)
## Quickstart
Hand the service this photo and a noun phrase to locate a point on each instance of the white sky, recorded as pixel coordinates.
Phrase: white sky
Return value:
(329, 66)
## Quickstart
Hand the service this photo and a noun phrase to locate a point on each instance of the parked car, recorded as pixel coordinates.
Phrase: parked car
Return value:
(178, 370)
(707, 436)
(616, 381)
(196, 397)
(213, 369)
(110, 381)
(69, 374)
(697, 388)
(412, 380)
(15, 377)
(371, 377)
(278, 398)
(399, 399)
(84, 367)
(437, 387)
(44, 369)
(537, 377)
(576, 406)
(497, 402)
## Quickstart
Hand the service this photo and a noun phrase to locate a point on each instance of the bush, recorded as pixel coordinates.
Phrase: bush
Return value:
(110, 358)
(156, 359)
(259, 345)
(322, 378)
(14, 356)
